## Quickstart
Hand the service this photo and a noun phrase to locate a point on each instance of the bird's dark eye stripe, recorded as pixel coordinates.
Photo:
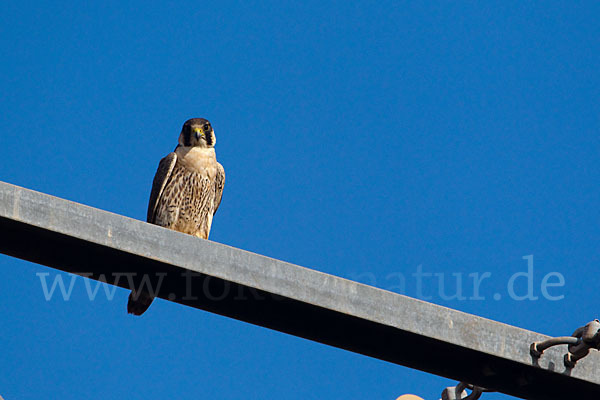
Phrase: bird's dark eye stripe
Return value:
(187, 135)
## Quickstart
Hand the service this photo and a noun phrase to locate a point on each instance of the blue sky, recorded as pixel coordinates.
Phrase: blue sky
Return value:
(361, 139)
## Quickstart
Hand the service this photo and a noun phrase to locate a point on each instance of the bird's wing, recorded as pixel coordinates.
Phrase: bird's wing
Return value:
(219, 184)
(163, 173)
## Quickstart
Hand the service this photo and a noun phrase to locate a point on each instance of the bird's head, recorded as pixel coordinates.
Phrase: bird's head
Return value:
(197, 132)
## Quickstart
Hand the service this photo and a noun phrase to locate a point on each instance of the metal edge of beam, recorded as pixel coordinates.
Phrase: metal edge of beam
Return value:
(289, 298)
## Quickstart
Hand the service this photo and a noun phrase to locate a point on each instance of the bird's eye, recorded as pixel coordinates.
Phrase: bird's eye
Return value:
(206, 127)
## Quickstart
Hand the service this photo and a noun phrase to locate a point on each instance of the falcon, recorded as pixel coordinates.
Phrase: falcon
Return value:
(186, 191)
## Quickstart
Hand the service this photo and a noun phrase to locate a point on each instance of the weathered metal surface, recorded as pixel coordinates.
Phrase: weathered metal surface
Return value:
(289, 298)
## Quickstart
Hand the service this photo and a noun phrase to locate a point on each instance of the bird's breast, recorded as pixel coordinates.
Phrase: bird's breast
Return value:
(200, 160)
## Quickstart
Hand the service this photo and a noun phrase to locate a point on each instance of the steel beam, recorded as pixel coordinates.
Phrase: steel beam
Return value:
(288, 298)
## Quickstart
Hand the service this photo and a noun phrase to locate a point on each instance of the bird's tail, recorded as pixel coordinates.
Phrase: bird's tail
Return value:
(139, 302)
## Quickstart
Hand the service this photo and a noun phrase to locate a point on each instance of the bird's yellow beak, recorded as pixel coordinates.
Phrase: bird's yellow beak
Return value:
(199, 133)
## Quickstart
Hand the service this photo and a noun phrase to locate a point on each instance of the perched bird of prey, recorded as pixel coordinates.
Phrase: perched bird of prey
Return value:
(186, 191)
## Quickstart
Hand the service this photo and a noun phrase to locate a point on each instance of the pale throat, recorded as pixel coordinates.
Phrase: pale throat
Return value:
(197, 159)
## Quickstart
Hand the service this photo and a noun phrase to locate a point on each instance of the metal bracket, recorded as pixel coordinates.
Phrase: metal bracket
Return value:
(579, 344)
(458, 392)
